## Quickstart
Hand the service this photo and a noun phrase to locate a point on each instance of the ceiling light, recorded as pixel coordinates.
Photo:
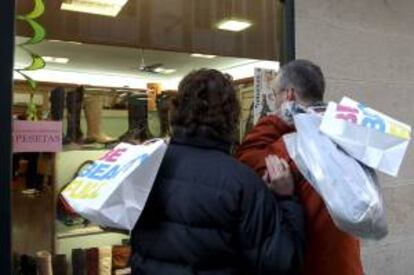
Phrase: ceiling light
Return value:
(58, 60)
(162, 70)
(234, 25)
(169, 71)
(199, 55)
(159, 70)
(101, 7)
(68, 42)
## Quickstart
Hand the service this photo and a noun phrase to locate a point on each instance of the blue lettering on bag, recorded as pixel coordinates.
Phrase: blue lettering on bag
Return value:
(103, 171)
(86, 171)
(99, 172)
(372, 121)
(112, 173)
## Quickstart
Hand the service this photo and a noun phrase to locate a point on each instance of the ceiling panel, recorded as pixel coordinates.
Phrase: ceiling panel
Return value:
(177, 25)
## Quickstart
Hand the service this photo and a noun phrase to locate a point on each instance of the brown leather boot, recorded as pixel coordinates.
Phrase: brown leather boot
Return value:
(93, 111)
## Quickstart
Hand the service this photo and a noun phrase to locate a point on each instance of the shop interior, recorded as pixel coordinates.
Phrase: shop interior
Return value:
(106, 87)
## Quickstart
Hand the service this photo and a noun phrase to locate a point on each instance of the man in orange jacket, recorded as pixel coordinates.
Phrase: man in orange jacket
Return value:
(299, 85)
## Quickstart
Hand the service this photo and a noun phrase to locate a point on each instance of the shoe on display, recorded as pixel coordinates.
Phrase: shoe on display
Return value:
(78, 262)
(57, 103)
(120, 256)
(163, 108)
(74, 106)
(105, 260)
(93, 112)
(44, 263)
(138, 130)
(60, 264)
(92, 261)
(28, 265)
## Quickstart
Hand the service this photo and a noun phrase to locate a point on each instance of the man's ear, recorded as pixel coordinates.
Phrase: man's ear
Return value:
(291, 94)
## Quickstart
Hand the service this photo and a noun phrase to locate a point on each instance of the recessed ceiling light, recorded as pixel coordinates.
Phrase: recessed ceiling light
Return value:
(162, 70)
(101, 7)
(234, 25)
(68, 42)
(159, 70)
(58, 60)
(199, 55)
(169, 71)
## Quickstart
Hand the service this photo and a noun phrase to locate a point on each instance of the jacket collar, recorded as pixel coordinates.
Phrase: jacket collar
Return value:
(202, 142)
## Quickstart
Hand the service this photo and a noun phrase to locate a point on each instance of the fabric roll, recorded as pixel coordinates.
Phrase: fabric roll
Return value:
(78, 262)
(105, 260)
(44, 263)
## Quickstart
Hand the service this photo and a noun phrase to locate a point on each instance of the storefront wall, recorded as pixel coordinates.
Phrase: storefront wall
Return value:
(365, 50)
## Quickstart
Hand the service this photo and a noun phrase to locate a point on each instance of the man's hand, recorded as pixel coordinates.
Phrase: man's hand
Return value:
(278, 176)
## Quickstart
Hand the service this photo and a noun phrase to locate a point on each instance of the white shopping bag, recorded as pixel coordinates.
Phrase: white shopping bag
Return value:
(112, 191)
(350, 191)
(373, 138)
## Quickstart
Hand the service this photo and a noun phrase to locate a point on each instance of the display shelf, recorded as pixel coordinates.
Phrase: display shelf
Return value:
(63, 231)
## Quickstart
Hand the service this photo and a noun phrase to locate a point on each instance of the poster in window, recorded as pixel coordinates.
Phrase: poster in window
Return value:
(264, 100)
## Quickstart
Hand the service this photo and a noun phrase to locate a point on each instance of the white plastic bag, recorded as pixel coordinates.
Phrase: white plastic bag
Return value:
(349, 190)
(371, 137)
(112, 192)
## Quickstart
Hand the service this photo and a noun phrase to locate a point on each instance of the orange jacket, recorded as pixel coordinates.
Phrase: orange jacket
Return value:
(329, 251)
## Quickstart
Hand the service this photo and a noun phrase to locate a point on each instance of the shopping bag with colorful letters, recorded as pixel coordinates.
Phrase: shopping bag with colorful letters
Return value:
(349, 189)
(112, 191)
(369, 136)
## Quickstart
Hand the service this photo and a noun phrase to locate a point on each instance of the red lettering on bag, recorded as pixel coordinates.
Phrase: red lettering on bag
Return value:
(113, 155)
(347, 113)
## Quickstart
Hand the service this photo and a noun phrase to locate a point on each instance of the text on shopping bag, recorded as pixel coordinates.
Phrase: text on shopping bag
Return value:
(366, 117)
(100, 173)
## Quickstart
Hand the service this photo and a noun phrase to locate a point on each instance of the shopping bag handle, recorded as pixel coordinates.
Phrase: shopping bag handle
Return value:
(151, 141)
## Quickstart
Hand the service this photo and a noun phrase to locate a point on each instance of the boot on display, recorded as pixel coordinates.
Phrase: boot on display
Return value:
(163, 107)
(74, 106)
(57, 103)
(60, 265)
(44, 263)
(138, 130)
(93, 112)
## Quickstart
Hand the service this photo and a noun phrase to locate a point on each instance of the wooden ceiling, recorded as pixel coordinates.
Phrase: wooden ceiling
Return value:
(176, 25)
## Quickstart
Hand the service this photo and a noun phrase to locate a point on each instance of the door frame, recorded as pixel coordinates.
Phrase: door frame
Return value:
(7, 20)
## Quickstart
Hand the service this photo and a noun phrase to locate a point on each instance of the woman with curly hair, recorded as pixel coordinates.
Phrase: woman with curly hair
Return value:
(208, 214)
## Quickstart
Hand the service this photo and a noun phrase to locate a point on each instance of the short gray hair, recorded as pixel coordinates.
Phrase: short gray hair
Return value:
(305, 77)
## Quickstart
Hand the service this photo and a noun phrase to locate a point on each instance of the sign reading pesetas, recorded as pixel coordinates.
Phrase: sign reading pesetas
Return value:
(39, 136)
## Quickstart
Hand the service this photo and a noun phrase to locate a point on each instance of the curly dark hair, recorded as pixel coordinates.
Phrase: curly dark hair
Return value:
(206, 105)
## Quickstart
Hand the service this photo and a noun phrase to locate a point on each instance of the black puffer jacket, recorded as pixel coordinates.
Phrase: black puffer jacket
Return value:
(210, 215)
